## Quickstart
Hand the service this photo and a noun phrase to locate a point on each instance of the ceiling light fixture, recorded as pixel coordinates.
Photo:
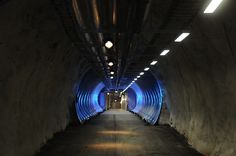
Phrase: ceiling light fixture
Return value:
(146, 69)
(165, 52)
(112, 73)
(182, 37)
(111, 77)
(212, 6)
(110, 64)
(141, 73)
(153, 63)
(138, 76)
(135, 79)
(108, 44)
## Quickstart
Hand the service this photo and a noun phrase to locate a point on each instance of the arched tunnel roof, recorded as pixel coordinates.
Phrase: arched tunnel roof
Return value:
(54, 67)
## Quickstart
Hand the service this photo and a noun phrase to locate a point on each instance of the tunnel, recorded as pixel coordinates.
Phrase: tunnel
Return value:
(117, 77)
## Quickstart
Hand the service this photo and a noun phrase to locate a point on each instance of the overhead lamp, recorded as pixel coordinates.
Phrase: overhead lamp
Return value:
(146, 69)
(138, 76)
(112, 73)
(110, 63)
(165, 52)
(153, 63)
(141, 73)
(212, 6)
(135, 79)
(182, 37)
(108, 44)
(111, 77)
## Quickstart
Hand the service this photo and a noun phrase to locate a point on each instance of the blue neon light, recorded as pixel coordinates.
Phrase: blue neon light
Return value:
(102, 100)
(145, 98)
(148, 101)
(87, 103)
(94, 97)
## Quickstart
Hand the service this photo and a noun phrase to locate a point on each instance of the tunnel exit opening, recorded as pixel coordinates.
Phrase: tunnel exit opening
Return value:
(116, 100)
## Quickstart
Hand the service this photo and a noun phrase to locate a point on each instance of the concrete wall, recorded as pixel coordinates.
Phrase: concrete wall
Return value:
(38, 67)
(200, 78)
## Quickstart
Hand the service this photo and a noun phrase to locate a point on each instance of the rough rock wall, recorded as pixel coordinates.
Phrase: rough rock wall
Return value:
(200, 77)
(38, 67)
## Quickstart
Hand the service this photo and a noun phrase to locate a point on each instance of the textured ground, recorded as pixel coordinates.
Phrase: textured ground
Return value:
(117, 133)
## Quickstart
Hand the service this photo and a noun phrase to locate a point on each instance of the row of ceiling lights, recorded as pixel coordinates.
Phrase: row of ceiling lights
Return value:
(163, 53)
(210, 9)
(109, 45)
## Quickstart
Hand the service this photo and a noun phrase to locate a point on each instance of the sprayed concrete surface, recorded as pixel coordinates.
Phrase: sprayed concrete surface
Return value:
(39, 68)
(199, 75)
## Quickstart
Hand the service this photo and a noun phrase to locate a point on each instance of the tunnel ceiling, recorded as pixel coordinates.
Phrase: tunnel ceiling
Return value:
(138, 29)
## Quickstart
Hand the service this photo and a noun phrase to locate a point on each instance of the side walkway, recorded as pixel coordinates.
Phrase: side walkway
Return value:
(117, 133)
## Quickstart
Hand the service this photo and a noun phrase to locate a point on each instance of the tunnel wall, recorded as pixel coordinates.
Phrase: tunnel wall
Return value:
(88, 97)
(131, 99)
(102, 100)
(38, 67)
(148, 98)
(200, 79)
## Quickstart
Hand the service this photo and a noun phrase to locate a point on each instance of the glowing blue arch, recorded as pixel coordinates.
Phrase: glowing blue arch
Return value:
(138, 98)
(87, 103)
(148, 99)
(95, 97)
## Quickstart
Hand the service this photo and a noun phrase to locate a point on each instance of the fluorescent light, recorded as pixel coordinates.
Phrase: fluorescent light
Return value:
(182, 37)
(108, 44)
(135, 79)
(110, 63)
(112, 73)
(111, 77)
(164, 52)
(212, 6)
(153, 63)
(146, 69)
(141, 73)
